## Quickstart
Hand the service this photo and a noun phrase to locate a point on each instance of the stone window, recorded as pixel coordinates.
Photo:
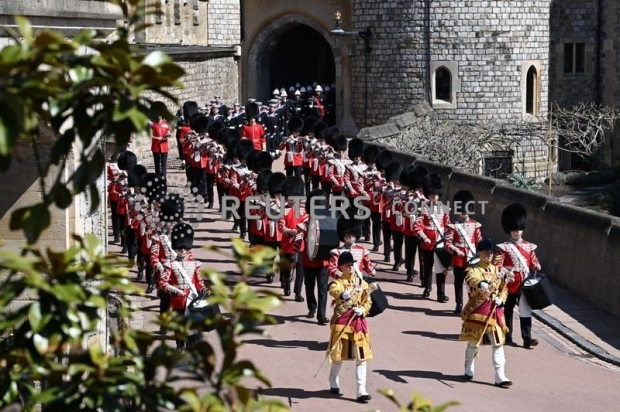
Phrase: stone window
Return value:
(530, 89)
(574, 58)
(444, 84)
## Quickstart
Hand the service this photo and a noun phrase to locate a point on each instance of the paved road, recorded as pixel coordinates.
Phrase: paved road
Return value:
(416, 348)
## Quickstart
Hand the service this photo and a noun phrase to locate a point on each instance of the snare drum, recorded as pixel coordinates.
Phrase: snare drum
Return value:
(322, 237)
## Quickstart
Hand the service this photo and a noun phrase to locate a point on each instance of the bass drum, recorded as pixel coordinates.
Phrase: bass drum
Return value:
(322, 237)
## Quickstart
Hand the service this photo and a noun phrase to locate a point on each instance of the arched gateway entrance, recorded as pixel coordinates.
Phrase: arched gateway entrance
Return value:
(291, 49)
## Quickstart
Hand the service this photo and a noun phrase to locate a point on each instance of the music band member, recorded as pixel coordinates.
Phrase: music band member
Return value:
(387, 193)
(293, 157)
(254, 131)
(430, 228)
(349, 231)
(483, 315)
(461, 237)
(377, 181)
(350, 337)
(240, 182)
(518, 256)
(273, 233)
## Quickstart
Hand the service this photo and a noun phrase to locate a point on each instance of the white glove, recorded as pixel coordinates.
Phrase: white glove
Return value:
(498, 302)
(346, 295)
(358, 312)
(484, 286)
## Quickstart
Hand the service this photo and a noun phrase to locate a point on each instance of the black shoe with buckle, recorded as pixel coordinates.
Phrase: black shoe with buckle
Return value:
(364, 398)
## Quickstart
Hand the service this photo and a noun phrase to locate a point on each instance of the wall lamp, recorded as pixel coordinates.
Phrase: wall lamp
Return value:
(339, 33)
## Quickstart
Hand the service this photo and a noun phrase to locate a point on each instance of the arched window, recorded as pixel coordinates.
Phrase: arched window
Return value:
(443, 84)
(531, 95)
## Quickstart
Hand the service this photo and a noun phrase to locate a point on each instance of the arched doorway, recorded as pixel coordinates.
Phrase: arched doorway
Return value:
(301, 55)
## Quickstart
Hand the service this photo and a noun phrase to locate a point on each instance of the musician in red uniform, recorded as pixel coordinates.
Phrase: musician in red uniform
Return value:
(376, 183)
(431, 227)
(293, 157)
(319, 149)
(315, 271)
(154, 189)
(253, 131)
(369, 176)
(132, 223)
(273, 212)
(292, 227)
(160, 132)
(308, 139)
(353, 180)
(397, 221)
(416, 198)
(241, 182)
(337, 165)
(215, 154)
(518, 256)
(349, 231)
(386, 195)
(462, 236)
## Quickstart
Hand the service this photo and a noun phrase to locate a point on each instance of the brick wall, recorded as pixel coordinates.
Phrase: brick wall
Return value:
(224, 22)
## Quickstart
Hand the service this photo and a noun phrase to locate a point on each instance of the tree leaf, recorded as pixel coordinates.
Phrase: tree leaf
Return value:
(62, 196)
(32, 220)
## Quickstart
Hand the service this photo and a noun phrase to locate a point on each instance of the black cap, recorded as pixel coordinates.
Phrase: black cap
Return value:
(485, 245)
(345, 258)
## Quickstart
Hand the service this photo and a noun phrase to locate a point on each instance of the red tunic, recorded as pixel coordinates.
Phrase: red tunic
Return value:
(160, 133)
(455, 241)
(360, 255)
(291, 226)
(508, 256)
(255, 133)
(425, 226)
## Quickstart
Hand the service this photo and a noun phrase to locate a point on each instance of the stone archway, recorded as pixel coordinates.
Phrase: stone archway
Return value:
(270, 42)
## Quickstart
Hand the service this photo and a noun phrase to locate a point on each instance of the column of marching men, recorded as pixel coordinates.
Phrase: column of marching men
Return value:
(404, 205)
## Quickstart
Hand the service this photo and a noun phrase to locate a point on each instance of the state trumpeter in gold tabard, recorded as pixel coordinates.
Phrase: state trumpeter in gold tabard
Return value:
(350, 337)
(483, 315)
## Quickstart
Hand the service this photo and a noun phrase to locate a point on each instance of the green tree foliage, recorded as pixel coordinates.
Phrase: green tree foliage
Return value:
(83, 97)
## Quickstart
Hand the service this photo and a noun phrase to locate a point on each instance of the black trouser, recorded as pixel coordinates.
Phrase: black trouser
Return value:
(327, 188)
(296, 171)
(161, 163)
(242, 221)
(148, 270)
(210, 182)
(220, 193)
(316, 182)
(338, 196)
(130, 235)
(387, 240)
(164, 301)
(411, 247)
(316, 277)
(526, 323)
(459, 278)
(116, 224)
(287, 273)
(398, 246)
(198, 180)
(366, 228)
(427, 268)
(375, 218)
(121, 226)
(180, 148)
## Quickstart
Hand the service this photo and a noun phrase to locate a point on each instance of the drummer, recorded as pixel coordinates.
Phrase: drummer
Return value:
(315, 270)
(349, 231)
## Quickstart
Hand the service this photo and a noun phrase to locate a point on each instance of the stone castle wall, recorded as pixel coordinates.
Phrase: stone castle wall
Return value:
(224, 26)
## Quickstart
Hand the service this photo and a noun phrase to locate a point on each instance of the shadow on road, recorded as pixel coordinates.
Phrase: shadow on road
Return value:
(408, 308)
(270, 343)
(296, 393)
(433, 335)
(397, 376)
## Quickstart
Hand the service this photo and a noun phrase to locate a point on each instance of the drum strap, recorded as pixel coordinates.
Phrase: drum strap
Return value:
(463, 234)
(439, 229)
(517, 251)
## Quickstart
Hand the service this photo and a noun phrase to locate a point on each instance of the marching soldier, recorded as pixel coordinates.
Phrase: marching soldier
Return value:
(375, 189)
(397, 222)
(273, 208)
(354, 174)
(416, 198)
(386, 194)
(134, 207)
(431, 228)
(350, 338)
(241, 182)
(254, 131)
(308, 140)
(319, 151)
(461, 237)
(483, 315)
(349, 231)
(337, 165)
(272, 129)
(518, 256)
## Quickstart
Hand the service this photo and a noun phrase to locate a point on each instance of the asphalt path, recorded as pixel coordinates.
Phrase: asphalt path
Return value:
(415, 346)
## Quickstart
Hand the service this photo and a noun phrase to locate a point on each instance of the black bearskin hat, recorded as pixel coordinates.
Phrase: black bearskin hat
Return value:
(383, 158)
(370, 153)
(251, 160)
(153, 187)
(214, 129)
(262, 181)
(172, 208)
(293, 186)
(275, 183)
(126, 160)
(432, 185)
(320, 130)
(331, 132)
(514, 217)
(309, 123)
(190, 108)
(417, 176)
(244, 148)
(200, 124)
(251, 110)
(405, 176)
(231, 148)
(349, 225)
(463, 197)
(356, 148)
(182, 236)
(393, 171)
(320, 203)
(232, 134)
(339, 143)
(295, 124)
(262, 161)
(135, 174)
